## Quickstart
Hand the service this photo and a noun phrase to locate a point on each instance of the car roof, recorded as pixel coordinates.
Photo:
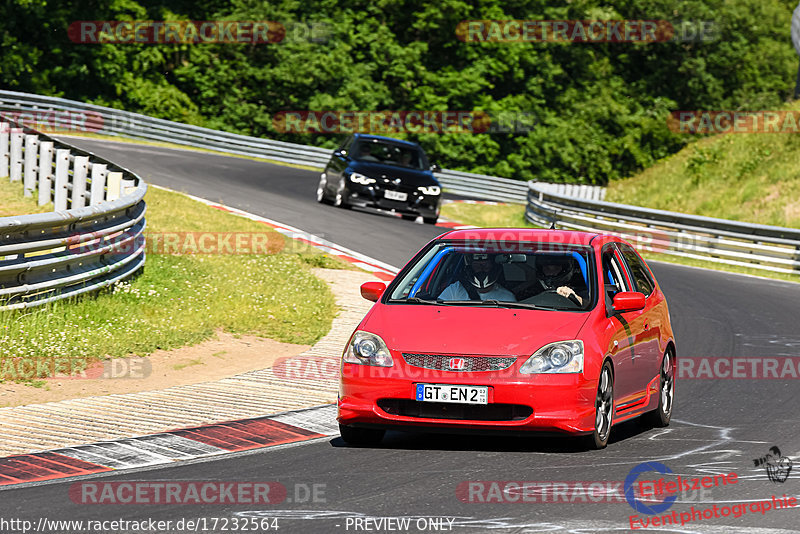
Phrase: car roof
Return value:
(525, 234)
(370, 137)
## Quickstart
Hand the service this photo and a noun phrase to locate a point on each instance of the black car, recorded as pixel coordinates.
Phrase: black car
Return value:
(381, 172)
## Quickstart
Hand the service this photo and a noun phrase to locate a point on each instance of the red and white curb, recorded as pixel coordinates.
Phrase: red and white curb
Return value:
(170, 447)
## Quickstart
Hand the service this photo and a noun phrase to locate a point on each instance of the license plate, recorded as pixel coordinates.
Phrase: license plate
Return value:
(453, 393)
(395, 195)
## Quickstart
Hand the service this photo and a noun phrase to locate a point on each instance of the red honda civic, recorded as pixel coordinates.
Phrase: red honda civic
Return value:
(511, 330)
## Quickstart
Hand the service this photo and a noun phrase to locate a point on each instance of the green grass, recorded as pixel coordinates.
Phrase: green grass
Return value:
(12, 201)
(744, 177)
(177, 300)
(487, 215)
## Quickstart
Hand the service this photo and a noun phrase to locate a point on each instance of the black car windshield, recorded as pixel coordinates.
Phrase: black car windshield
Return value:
(388, 153)
(512, 275)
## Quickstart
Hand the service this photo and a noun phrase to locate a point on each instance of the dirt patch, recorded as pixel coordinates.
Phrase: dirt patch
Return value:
(225, 355)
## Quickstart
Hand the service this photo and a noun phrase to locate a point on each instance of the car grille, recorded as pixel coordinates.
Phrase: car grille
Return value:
(405, 188)
(471, 363)
(464, 412)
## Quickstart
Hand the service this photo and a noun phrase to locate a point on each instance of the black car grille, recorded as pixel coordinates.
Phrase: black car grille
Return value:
(402, 187)
(471, 363)
(464, 412)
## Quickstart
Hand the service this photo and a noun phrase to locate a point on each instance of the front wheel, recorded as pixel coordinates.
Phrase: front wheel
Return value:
(430, 220)
(603, 408)
(340, 201)
(661, 416)
(323, 184)
(361, 437)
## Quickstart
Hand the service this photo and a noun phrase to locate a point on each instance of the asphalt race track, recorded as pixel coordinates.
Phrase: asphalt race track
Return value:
(719, 425)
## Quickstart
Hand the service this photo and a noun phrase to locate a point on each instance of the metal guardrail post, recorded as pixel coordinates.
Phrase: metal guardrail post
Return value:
(31, 165)
(45, 172)
(80, 168)
(15, 156)
(98, 186)
(4, 134)
(62, 179)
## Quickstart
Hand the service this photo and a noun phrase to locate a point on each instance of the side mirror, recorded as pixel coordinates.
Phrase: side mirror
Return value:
(340, 153)
(373, 290)
(627, 301)
(435, 168)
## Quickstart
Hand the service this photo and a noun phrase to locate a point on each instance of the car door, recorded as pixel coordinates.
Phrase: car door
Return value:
(626, 332)
(650, 355)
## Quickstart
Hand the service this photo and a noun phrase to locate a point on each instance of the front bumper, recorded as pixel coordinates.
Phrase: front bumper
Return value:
(384, 397)
(373, 197)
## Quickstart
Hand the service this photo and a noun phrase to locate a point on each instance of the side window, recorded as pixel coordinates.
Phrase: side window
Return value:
(347, 144)
(613, 278)
(637, 268)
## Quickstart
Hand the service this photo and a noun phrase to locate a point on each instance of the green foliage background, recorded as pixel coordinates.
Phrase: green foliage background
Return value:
(601, 107)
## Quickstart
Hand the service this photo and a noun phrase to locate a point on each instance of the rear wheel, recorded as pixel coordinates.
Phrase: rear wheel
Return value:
(661, 416)
(361, 437)
(603, 408)
(408, 217)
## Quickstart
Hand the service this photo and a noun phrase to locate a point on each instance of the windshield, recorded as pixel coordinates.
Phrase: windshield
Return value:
(530, 275)
(389, 153)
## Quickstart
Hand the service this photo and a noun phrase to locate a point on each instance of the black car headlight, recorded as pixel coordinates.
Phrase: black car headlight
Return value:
(559, 357)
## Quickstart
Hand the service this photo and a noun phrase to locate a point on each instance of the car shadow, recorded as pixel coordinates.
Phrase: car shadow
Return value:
(438, 441)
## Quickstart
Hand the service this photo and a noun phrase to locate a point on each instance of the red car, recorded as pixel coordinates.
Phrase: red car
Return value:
(511, 330)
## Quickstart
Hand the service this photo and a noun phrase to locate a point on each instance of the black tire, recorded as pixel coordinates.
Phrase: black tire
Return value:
(430, 220)
(361, 437)
(408, 217)
(661, 416)
(603, 404)
(340, 200)
(321, 197)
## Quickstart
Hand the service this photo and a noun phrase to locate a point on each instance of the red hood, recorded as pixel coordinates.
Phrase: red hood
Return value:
(470, 330)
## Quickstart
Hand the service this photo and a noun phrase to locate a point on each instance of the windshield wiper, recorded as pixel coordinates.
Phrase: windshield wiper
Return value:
(493, 302)
(417, 300)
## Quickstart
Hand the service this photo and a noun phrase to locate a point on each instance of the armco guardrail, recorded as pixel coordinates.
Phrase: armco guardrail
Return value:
(768, 248)
(92, 239)
(68, 114)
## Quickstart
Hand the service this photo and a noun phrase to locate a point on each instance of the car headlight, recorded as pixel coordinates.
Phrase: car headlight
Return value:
(430, 190)
(560, 357)
(361, 179)
(368, 349)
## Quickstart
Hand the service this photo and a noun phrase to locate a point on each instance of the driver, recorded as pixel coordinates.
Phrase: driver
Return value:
(554, 273)
(479, 281)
